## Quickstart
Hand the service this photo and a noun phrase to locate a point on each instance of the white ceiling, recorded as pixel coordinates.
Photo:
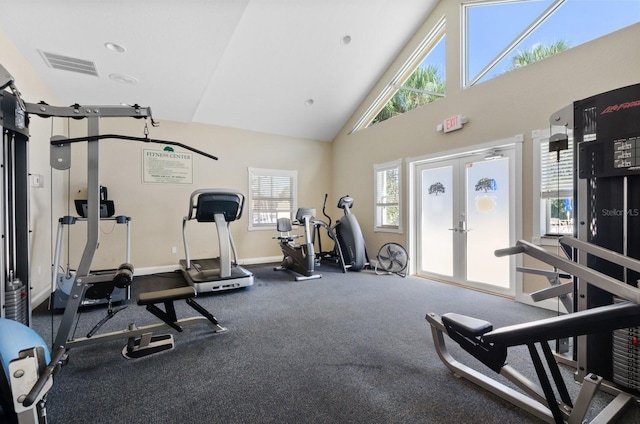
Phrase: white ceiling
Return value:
(249, 64)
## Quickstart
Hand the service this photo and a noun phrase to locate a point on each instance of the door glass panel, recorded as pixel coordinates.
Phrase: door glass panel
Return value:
(436, 241)
(488, 223)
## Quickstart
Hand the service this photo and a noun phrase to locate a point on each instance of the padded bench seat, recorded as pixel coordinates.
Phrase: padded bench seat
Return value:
(178, 293)
(468, 326)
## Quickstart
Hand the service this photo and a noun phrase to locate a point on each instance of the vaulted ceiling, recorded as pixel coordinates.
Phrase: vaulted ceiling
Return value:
(295, 68)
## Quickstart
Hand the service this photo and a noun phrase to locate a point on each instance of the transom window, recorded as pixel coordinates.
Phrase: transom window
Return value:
(420, 81)
(503, 35)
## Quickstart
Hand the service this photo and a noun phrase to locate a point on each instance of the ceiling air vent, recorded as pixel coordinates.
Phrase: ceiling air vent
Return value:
(66, 63)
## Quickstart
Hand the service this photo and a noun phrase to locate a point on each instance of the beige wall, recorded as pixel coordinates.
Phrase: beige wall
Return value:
(156, 209)
(515, 103)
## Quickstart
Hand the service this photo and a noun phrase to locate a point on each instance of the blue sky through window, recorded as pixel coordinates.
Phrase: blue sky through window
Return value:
(492, 27)
(437, 56)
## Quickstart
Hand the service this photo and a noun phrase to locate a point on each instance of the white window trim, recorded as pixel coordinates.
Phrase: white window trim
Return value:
(539, 225)
(466, 82)
(276, 173)
(382, 167)
(410, 65)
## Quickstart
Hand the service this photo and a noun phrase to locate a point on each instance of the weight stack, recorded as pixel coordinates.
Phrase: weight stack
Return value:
(15, 297)
(626, 357)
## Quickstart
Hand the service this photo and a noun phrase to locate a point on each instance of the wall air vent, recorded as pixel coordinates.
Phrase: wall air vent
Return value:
(66, 63)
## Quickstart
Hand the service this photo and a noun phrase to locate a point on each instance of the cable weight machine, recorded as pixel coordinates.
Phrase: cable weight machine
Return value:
(15, 297)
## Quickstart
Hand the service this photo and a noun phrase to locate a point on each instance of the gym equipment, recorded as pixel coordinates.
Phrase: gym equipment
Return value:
(27, 374)
(15, 297)
(222, 207)
(95, 285)
(606, 134)
(349, 249)
(299, 258)
(490, 346)
(26, 378)
(62, 282)
(392, 258)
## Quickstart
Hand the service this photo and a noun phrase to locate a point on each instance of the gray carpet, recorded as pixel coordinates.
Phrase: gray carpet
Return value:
(346, 348)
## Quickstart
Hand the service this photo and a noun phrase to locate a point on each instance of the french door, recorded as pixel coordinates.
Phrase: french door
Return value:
(466, 212)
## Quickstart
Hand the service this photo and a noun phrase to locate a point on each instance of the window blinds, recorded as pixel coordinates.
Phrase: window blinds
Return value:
(556, 177)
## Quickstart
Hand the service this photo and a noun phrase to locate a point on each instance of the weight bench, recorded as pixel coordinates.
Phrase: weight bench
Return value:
(490, 346)
(141, 341)
(148, 344)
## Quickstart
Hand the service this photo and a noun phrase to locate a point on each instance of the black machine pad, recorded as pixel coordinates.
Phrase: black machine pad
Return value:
(470, 327)
(160, 296)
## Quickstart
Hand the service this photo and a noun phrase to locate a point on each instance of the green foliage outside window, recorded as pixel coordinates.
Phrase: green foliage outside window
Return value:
(424, 78)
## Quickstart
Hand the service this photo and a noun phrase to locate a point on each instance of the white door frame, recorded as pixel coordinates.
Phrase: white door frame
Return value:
(413, 198)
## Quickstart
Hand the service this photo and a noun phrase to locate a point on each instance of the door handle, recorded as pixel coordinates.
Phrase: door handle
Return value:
(461, 230)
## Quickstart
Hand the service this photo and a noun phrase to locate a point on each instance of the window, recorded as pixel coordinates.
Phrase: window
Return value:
(555, 179)
(387, 196)
(420, 81)
(503, 35)
(272, 195)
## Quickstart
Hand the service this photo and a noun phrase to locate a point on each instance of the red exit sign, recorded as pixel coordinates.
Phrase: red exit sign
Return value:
(453, 123)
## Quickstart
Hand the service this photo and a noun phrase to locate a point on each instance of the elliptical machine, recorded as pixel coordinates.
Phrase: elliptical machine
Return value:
(349, 249)
(299, 258)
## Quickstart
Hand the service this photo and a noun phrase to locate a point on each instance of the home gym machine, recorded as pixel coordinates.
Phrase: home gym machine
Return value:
(349, 249)
(490, 346)
(15, 118)
(15, 296)
(26, 377)
(220, 206)
(605, 268)
(26, 366)
(299, 258)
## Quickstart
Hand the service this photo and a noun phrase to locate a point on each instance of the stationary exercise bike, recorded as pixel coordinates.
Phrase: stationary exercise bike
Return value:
(298, 257)
(349, 249)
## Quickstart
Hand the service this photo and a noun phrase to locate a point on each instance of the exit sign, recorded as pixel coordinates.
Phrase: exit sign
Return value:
(453, 123)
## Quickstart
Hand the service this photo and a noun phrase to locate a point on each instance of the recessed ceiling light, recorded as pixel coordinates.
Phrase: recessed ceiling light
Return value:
(345, 40)
(123, 79)
(115, 47)
(309, 102)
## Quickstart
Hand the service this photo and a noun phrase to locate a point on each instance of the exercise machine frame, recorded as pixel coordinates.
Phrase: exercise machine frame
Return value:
(202, 274)
(349, 248)
(15, 119)
(298, 258)
(61, 159)
(490, 346)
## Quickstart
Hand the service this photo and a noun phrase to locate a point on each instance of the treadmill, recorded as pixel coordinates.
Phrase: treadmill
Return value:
(220, 206)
